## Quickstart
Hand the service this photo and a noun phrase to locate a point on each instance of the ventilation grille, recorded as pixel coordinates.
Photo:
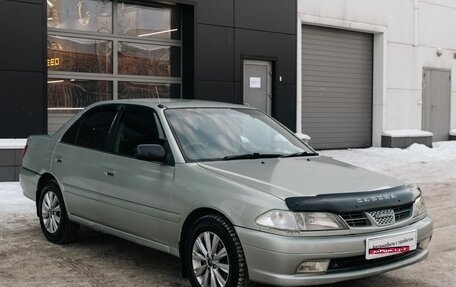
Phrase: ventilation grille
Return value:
(359, 219)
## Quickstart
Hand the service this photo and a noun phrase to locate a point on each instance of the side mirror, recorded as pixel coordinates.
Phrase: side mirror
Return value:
(305, 138)
(151, 152)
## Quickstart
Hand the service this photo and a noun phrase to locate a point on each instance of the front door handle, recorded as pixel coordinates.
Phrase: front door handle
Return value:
(109, 172)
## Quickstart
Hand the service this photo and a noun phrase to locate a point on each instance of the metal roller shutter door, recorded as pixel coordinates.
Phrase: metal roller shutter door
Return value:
(337, 87)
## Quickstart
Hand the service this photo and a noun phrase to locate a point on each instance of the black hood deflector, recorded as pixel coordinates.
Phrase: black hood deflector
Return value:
(353, 202)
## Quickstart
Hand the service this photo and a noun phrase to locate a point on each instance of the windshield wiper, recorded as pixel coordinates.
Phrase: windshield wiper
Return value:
(301, 153)
(254, 155)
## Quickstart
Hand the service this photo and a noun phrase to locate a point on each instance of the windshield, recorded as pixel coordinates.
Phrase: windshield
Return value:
(205, 134)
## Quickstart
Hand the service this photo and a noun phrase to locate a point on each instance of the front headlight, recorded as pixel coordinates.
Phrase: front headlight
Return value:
(318, 221)
(419, 207)
(300, 221)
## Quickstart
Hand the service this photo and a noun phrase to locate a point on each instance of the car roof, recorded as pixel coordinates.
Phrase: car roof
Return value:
(174, 103)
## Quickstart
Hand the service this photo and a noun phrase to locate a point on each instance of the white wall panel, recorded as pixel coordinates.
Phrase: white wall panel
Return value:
(365, 11)
(403, 110)
(447, 3)
(437, 26)
(403, 67)
(401, 26)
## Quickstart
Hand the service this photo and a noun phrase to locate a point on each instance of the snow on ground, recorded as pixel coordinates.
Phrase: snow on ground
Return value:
(415, 164)
(407, 133)
(13, 201)
(378, 159)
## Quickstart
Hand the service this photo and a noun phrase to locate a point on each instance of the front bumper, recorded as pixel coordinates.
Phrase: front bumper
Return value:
(273, 259)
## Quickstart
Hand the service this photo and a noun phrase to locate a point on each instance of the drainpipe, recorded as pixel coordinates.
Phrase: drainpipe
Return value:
(416, 8)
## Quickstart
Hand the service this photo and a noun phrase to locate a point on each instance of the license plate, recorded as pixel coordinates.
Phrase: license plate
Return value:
(390, 245)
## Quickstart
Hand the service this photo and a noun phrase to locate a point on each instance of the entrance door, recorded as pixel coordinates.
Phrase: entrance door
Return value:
(258, 84)
(436, 103)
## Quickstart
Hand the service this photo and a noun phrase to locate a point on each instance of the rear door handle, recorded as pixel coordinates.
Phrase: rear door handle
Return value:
(109, 172)
(58, 158)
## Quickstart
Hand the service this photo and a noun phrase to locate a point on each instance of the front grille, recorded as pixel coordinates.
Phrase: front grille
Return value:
(402, 212)
(382, 217)
(360, 219)
(360, 262)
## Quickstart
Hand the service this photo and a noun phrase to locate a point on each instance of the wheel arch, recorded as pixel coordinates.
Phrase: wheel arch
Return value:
(192, 217)
(44, 178)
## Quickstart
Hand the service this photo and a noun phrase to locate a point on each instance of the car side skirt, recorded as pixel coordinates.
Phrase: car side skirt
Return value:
(130, 237)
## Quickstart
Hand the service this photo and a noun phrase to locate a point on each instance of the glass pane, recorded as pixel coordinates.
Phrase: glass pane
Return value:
(70, 135)
(213, 134)
(83, 15)
(95, 126)
(73, 95)
(132, 90)
(149, 60)
(148, 22)
(136, 127)
(79, 55)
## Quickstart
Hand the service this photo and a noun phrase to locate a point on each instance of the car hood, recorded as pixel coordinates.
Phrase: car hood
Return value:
(299, 176)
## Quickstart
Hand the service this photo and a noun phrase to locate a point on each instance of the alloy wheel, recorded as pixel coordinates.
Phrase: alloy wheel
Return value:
(50, 212)
(210, 260)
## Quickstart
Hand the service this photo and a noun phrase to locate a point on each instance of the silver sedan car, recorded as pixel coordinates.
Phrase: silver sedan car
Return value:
(226, 188)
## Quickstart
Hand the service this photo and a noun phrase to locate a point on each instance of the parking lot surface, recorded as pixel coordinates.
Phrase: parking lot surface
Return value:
(96, 259)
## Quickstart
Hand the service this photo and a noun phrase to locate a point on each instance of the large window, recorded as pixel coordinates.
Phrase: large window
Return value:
(79, 55)
(102, 50)
(148, 60)
(75, 94)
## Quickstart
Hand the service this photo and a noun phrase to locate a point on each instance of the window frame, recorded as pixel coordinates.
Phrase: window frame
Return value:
(115, 37)
(161, 131)
(190, 160)
(115, 78)
(80, 120)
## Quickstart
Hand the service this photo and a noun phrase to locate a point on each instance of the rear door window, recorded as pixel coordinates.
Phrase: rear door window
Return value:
(92, 130)
(70, 135)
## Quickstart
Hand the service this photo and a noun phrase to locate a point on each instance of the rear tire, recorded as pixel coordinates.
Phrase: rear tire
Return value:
(53, 216)
(213, 254)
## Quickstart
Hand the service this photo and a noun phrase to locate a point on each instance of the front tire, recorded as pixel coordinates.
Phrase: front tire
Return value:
(214, 255)
(54, 221)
